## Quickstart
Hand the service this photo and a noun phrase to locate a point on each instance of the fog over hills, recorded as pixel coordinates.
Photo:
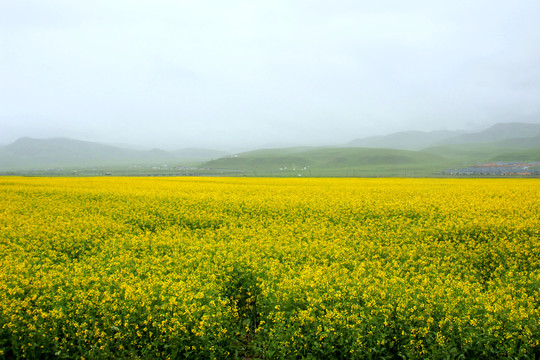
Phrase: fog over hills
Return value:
(197, 154)
(417, 140)
(412, 152)
(29, 153)
(497, 132)
(397, 154)
(406, 140)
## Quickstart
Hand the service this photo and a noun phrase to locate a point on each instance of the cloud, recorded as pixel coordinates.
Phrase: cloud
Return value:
(241, 73)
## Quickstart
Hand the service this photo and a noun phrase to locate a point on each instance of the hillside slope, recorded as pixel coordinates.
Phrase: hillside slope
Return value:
(332, 161)
(515, 149)
(406, 140)
(497, 132)
(27, 153)
(418, 140)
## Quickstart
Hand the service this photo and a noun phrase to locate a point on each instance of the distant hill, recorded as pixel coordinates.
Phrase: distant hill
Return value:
(519, 143)
(418, 140)
(399, 154)
(197, 155)
(332, 161)
(500, 142)
(27, 153)
(527, 155)
(513, 149)
(403, 153)
(495, 133)
(407, 140)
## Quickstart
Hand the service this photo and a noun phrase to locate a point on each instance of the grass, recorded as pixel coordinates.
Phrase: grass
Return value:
(333, 162)
(309, 161)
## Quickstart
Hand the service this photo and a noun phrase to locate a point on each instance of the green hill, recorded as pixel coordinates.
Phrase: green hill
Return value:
(528, 155)
(504, 134)
(411, 153)
(501, 142)
(406, 140)
(332, 162)
(514, 149)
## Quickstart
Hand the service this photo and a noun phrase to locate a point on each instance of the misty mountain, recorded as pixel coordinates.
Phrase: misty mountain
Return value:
(196, 154)
(405, 140)
(495, 133)
(497, 138)
(500, 142)
(514, 149)
(402, 153)
(28, 153)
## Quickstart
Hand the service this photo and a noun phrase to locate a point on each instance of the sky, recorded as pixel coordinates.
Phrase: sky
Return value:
(231, 74)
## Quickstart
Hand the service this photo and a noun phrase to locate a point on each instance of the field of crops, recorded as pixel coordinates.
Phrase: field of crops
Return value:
(203, 268)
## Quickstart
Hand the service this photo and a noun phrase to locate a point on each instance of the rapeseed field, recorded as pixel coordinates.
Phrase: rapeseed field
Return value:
(215, 268)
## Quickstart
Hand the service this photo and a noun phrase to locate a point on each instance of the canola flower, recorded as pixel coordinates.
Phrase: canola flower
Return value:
(214, 268)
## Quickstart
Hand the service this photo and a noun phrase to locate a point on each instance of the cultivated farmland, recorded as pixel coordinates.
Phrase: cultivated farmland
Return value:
(204, 268)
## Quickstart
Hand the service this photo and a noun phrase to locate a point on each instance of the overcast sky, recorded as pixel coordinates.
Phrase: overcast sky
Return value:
(220, 74)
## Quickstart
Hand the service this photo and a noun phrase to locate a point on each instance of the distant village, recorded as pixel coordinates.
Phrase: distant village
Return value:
(500, 169)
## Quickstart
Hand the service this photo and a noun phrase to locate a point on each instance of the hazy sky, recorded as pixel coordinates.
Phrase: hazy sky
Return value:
(176, 74)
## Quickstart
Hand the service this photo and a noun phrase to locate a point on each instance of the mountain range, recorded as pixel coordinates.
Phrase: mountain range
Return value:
(396, 154)
(399, 154)
(418, 140)
(28, 153)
